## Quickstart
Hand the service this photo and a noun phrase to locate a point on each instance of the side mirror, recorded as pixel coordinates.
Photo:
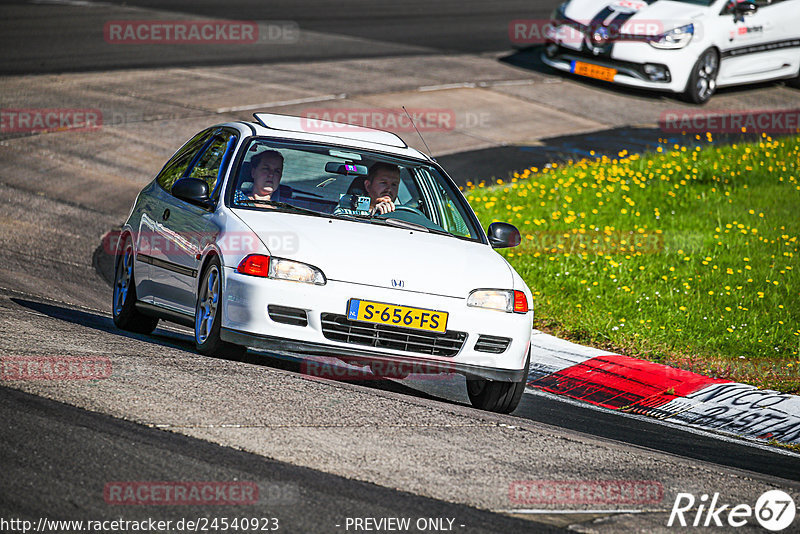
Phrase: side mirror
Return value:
(194, 191)
(742, 9)
(503, 235)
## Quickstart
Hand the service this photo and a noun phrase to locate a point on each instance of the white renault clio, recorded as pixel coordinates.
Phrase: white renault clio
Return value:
(683, 46)
(279, 235)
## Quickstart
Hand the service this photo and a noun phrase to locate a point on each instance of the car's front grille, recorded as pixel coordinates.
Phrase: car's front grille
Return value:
(338, 328)
(629, 68)
(492, 344)
(287, 315)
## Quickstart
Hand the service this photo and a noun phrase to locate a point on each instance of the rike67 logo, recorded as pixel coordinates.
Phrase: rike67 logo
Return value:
(774, 510)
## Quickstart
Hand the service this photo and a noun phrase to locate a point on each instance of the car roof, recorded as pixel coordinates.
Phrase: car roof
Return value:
(335, 133)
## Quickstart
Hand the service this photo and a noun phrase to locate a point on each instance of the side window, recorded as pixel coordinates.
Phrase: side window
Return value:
(731, 5)
(208, 165)
(446, 213)
(176, 167)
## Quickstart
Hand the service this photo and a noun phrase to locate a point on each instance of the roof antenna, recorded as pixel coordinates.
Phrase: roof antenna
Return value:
(430, 154)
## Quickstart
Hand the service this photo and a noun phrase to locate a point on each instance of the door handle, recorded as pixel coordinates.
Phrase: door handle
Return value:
(165, 215)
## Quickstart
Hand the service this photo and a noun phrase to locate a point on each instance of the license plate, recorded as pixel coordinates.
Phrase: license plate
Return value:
(403, 316)
(593, 71)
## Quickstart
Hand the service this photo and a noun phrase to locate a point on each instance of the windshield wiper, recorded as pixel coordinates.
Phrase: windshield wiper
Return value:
(400, 223)
(389, 221)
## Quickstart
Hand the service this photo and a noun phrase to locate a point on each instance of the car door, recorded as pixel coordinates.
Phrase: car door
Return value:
(758, 45)
(153, 205)
(185, 229)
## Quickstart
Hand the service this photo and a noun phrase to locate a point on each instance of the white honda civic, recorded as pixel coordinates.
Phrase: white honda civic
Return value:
(312, 238)
(683, 46)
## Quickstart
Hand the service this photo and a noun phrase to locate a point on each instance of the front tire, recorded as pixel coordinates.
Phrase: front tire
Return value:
(208, 315)
(493, 396)
(703, 80)
(794, 82)
(123, 306)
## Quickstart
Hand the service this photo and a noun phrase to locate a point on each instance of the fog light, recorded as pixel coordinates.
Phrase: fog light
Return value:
(551, 50)
(656, 73)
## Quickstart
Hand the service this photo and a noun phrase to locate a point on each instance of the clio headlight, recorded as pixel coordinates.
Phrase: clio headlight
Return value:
(673, 39)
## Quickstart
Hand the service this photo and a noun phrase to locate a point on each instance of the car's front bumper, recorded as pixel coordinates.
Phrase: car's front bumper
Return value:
(414, 365)
(629, 60)
(247, 321)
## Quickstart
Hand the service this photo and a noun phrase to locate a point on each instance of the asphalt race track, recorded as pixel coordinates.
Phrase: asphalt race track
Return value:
(321, 452)
(58, 35)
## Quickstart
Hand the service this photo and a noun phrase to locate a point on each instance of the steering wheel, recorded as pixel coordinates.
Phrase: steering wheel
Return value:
(400, 207)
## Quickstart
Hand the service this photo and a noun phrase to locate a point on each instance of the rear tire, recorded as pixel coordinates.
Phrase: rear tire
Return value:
(702, 82)
(493, 396)
(123, 305)
(208, 315)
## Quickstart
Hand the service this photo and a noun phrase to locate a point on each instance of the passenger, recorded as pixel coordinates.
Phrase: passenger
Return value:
(266, 169)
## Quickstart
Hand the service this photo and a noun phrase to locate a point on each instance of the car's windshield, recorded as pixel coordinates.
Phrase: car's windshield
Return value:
(349, 183)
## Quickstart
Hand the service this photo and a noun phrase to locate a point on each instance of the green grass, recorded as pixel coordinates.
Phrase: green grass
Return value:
(685, 256)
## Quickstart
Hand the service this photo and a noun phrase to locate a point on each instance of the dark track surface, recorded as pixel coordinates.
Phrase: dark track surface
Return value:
(471, 26)
(644, 433)
(63, 37)
(57, 460)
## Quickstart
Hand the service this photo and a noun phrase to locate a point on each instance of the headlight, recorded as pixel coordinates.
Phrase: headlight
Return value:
(506, 300)
(281, 269)
(295, 271)
(676, 38)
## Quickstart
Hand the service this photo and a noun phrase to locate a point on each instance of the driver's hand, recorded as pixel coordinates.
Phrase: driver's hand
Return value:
(384, 206)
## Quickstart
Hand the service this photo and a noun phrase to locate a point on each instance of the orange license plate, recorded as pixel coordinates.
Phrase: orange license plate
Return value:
(593, 71)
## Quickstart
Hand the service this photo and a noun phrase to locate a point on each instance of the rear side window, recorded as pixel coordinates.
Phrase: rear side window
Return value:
(176, 167)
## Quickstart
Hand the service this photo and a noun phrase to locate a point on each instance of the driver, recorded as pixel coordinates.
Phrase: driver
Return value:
(381, 184)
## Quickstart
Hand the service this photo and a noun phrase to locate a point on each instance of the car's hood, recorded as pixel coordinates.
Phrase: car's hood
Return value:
(635, 16)
(383, 256)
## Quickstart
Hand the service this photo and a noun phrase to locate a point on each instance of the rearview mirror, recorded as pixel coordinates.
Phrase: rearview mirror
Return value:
(194, 191)
(334, 167)
(503, 235)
